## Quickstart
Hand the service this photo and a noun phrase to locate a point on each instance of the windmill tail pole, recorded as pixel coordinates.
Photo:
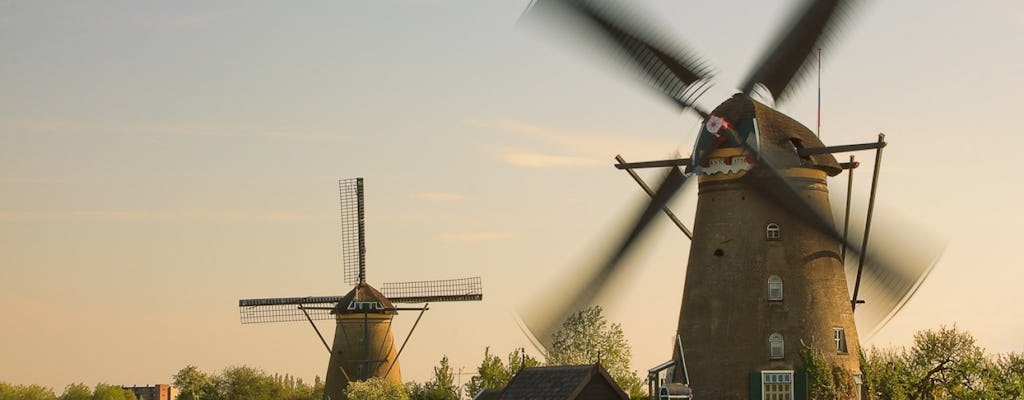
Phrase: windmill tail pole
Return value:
(846, 219)
(322, 340)
(650, 192)
(404, 342)
(867, 223)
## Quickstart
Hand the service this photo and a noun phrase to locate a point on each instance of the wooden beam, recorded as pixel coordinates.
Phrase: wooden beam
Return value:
(678, 162)
(810, 151)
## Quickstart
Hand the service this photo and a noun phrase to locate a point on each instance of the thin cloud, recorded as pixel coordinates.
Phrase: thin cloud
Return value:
(526, 158)
(77, 128)
(472, 237)
(177, 215)
(439, 197)
(567, 148)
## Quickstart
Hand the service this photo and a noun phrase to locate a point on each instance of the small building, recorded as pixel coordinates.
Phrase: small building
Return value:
(160, 391)
(564, 382)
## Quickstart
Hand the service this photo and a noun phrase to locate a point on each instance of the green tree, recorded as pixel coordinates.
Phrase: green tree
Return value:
(442, 387)
(491, 374)
(194, 384)
(247, 383)
(495, 374)
(25, 392)
(76, 391)
(886, 373)
(826, 380)
(1005, 376)
(105, 391)
(517, 360)
(945, 364)
(376, 389)
(586, 338)
(942, 364)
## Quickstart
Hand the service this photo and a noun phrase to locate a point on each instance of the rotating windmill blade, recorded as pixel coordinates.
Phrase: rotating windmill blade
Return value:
(668, 67)
(363, 345)
(760, 173)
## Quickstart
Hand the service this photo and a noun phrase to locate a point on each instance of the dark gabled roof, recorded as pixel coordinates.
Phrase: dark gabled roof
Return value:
(558, 383)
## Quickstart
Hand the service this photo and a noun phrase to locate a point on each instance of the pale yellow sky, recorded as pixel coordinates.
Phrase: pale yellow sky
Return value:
(159, 162)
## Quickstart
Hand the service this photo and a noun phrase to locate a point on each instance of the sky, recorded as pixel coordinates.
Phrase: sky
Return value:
(160, 161)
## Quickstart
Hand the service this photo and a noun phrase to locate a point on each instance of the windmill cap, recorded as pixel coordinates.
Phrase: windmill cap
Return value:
(779, 135)
(363, 298)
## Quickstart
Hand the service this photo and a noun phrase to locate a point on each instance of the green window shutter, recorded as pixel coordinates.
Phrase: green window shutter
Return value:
(755, 385)
(800, 385)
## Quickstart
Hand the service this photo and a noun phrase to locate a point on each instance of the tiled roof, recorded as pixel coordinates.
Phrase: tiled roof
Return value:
(558, 383)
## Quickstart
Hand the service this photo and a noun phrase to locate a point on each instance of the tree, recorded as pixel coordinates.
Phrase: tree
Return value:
(1005, 375)
(376, 389)
(491, 374)
(25, 392)
(76, 391)
(826, 380)
(246, 383)
(586, 338)
(943, 364)
(517, 360)
(194, 384)
(442, 387)
(105, 391)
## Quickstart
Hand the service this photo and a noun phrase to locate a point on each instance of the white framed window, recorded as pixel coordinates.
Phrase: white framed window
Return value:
(773, 232)
(776, 346)
(777, 385)
(774, 288)
(839, 335)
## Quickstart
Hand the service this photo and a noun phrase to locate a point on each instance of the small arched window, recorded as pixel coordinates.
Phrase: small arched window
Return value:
(774, 288)
(772, 232)
(776, 346)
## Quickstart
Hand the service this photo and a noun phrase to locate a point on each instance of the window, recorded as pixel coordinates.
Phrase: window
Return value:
(772, 232)
(839, 335)
(777, 385)
(776, 346)
(774, 288)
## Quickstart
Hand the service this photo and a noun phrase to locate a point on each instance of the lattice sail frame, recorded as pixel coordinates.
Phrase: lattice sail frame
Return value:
(353, 229)
(291, 309)
(465, 289)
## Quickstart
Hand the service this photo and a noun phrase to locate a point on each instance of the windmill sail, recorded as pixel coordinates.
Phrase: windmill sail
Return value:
(353, 230)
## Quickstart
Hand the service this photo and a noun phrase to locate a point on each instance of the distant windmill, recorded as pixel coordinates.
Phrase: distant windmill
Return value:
(363, 342)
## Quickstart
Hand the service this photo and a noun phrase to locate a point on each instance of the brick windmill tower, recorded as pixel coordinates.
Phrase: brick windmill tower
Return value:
(363, 346)
(765, 277)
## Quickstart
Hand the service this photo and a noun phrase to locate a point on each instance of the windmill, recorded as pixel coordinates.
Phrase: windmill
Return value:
(363, 345)
(763, 218)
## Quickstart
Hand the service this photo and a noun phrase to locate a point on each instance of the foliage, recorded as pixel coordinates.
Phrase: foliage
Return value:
(1005, 375)
(826, 380)
(25, 392)
(586, 338)
(943, 364)
(236, 383)
(494, 374)
(104, 391)
(518, 359)
(76, 391)
(376, 389)
(194, 384)
(491, 374)
(442, 387)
